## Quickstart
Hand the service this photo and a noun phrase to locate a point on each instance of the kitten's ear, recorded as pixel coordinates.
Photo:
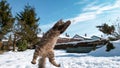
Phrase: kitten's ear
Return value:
(63, 27)
(58, 24)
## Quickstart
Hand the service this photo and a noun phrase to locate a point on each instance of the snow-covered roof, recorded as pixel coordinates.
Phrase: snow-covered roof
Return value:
(81, 37)
(63, 36)
(77, 36)
(96, 37)
(75, 42)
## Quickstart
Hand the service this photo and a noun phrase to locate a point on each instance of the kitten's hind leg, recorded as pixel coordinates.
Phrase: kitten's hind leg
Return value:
(52, 60)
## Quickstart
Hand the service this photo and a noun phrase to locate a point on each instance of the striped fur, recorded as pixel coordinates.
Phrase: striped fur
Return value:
(46, 45)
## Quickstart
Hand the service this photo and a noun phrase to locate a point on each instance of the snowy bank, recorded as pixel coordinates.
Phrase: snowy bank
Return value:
(102, 51)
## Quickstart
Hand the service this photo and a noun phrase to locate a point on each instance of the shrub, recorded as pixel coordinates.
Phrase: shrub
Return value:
(109, 47)
(22, 45)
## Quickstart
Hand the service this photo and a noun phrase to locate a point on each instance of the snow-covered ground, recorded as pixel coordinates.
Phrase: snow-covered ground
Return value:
(95, 59)
(102, 51)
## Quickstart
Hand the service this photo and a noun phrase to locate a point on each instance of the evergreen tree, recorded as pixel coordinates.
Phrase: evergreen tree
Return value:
(106, 29)
(6, 18)
(22, 45)
(29, 28)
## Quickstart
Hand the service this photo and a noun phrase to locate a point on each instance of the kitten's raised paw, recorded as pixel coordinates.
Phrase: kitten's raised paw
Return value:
(33, 62)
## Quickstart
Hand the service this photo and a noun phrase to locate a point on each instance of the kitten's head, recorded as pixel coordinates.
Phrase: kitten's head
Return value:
(61, 26)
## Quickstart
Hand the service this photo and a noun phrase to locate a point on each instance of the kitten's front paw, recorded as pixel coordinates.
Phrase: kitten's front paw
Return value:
(33, 62)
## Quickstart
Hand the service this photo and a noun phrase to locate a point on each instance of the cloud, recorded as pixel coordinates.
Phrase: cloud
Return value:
(46, 27)
(81, 2)
(102, 7)
(91, 7)
(91, 11)
(92, 3)
(83, 17)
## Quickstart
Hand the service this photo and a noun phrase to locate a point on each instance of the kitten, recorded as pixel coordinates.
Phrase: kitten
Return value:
(46, 45)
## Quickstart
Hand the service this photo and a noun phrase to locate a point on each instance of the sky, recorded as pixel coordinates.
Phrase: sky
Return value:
(85, 15)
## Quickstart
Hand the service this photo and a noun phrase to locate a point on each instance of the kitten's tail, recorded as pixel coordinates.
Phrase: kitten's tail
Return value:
(42, 62)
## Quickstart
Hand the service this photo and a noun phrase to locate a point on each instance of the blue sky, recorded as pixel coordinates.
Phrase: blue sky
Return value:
(85, 15)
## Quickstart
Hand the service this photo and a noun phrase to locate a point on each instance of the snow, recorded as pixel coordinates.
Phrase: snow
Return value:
(102, 51)
(96, 59)
(39, 35)
(4, 40)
